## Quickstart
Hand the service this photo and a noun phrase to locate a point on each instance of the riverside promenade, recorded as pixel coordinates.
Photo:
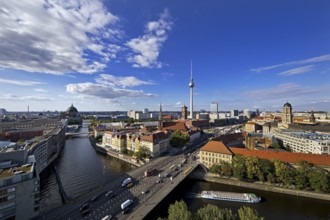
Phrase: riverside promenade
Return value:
(199, 175)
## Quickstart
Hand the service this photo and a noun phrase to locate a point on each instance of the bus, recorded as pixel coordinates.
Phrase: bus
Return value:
(149, 172)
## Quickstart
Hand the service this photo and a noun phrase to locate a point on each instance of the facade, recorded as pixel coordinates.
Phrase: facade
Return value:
(37, 123)
(19, 184)
(234, 113)
(246, 113)
(214, 107)
(304, 142)
(157, 142)
(46, 148)
(214, 152)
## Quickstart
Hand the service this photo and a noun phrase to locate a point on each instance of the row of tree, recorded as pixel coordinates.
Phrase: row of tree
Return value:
(304, 176)
(179, 211)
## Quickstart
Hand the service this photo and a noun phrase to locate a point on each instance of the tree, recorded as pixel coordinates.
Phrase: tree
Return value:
(226, 168)
(178, 211)
(215, 168)
(210, 212)
(239, 168)
(266, 169)
(301, 180)
(319, 180)
(276, 146)
(179, 138)
(123, 150)
(247, 213)
(280, 167)
(252, 167)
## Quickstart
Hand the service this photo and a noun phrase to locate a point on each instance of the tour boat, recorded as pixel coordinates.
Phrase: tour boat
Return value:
(230, 196)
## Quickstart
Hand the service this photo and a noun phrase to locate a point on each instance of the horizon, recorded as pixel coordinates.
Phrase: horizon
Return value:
(120, 56)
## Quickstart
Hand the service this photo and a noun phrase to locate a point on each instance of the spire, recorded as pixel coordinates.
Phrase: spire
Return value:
(190, 69)
(191, 83)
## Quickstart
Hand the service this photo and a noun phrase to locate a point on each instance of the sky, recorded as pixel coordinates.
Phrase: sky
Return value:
(129, 55)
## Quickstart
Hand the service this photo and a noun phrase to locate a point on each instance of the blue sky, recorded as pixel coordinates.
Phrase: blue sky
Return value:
(121, 55)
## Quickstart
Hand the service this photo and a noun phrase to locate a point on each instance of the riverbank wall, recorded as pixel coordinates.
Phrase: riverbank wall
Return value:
(208, 177)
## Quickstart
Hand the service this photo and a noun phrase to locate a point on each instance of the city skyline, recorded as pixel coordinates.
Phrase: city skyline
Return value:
(115, 55)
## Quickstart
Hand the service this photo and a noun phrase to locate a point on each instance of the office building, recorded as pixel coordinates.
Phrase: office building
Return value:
(214, 107)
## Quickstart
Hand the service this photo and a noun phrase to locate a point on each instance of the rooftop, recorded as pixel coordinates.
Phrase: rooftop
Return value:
(216, 147)
(288, 157)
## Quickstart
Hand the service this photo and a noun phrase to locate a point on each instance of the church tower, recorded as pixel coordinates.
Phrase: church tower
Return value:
(184, 113)
(287, 116)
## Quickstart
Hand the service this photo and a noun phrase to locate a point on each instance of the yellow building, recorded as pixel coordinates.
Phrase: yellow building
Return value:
(214, 152)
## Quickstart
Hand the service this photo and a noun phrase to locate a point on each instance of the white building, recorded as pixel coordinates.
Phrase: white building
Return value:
(246, 113)
(214, 107)
(304, 142)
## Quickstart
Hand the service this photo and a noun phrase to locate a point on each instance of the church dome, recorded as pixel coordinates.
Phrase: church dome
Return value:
(72, 109)
(288, 105)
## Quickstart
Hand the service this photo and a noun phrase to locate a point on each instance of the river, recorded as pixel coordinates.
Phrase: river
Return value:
(273, 206)
(81, 169)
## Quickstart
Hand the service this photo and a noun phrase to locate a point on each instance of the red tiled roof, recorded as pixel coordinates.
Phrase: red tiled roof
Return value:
(172, 126)
(216, 147)
(288, 157)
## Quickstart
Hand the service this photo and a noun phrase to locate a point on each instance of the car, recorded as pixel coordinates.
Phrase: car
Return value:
(145, 191)
(84, 207)
(94, 198)
(107, 217)
(109, 193)
(85, 212)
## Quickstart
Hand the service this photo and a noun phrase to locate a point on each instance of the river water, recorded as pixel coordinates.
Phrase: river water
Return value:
(82, 169)
(273, 206)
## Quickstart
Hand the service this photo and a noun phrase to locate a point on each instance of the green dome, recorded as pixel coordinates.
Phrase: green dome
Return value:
(72, 109)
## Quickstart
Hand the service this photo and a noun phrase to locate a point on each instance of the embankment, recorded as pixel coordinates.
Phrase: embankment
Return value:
(200, 175)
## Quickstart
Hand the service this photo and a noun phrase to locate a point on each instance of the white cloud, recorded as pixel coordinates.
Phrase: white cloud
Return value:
(40, 90)
(285, 91)
(318, 59)
(20, 82)
(110, 87)
(105, 91)
(146, 48)
(122, 82)
(36, 98)
(296, 71)
(57, 36)
(178, 103)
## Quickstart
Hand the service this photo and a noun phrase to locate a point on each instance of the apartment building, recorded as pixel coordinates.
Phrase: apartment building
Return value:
(304, 142)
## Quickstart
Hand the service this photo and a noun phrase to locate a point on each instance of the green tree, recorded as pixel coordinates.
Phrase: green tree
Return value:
(252, 167)
(211, 212)
(179, 139)
(276, 146)
(247, 213)
(288, 176)
(179, 211)
(266, 167)
(280, 168)
(301, 180)
(239, 167)
(123, 150)
(319, 180)
(215, 168)
(226, 168)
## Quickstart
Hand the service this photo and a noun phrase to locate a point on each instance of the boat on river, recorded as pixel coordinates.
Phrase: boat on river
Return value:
(230, 196)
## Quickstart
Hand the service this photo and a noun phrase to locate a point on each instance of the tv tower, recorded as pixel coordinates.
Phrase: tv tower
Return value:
(191, 86)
